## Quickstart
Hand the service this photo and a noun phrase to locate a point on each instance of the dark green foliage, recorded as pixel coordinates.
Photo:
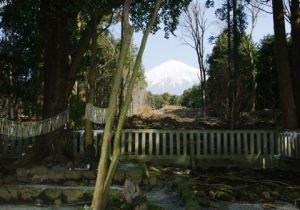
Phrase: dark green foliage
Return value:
(76, 109)
(219, 78)
(20, 54)
(221, 12)
(157, 101)
(168, 14)
(267, 79)
(191, 97)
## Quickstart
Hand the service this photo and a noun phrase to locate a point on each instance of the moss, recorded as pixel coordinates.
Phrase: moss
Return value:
(224, 196)
(72, 196)
(50, 195)
(115, 198)
(29, 194)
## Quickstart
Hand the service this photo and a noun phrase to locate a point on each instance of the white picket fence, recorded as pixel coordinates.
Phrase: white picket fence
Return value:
(174, 144)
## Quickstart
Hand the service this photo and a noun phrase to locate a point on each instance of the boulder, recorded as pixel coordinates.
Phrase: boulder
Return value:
(8, 195)
(39, 170)
(136, 175)
(266, 195)
(245, 195)
(9, 179)
(55, 176)
(73, 196)
(38, 202)
(189, 198)
(4, 195)
(50, 195)
(203, 201)
(71, 183)
(119, 177)
(153, 181)
(131, 191)
(297, 202)
(29, 194)
(57, 203)
(23, 175)
(91, 175)
(224, 196)
(73, 175)
(36, 179)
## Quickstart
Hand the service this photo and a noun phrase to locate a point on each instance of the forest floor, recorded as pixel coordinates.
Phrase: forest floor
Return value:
(177, 117)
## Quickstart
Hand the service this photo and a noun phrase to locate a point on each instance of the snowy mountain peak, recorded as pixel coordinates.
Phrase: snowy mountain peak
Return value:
(172, 76)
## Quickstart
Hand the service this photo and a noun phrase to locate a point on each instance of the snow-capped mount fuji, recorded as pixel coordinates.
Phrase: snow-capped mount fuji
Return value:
(172, 77)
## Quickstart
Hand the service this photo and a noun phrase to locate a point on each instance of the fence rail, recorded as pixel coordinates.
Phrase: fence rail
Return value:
(168, 144)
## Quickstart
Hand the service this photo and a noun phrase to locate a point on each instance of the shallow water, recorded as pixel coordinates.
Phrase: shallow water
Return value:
(165, 199)
(253, 206)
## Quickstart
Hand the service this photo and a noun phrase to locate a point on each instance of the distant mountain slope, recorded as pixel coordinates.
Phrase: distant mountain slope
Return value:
(172, 76)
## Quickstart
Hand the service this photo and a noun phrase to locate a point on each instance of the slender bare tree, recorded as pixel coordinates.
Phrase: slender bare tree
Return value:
(194, 24)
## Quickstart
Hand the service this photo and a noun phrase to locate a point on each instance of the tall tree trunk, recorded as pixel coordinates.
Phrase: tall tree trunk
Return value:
(283, 66)
(59, 72)
(128, 100)
(55, 65)
(127, 32)
(11, 104)
(92, 88)
(235, 71)
(104, 178)
(295, 34)
(229, 88)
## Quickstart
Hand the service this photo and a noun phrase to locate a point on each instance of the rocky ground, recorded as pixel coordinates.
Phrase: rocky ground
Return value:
(177, 117)
(185, 188)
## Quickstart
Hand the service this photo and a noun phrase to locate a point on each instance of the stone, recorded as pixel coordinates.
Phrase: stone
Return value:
(266, 195)
(136, 175)
(59, 168)
(39, 170)
(4, 194)
(119, 177)
(23, 175)
(153, 180)
(73, 175)
(72, 196)
(134, 172)
(91, 175)
(55, 176)
(297, 202)
(142, 206)
(212, 194)
(224, 196)
(189, 198)
(269, 206)
(50, 195)
(57, 203)
(70, 183)
(131, 191)
(92, 182)
(29, 194)
(248, 196)
(9, 180)
(36, 179)
(8, 195)
(203, 201)
(275, 194)
(38, 202)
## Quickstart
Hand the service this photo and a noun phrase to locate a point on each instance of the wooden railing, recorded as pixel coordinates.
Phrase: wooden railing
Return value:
(198, 142)
(289, 144)
(149, 143)
(14, 146)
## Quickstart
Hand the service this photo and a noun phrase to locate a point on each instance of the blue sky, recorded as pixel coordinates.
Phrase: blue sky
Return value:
(159, 49)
